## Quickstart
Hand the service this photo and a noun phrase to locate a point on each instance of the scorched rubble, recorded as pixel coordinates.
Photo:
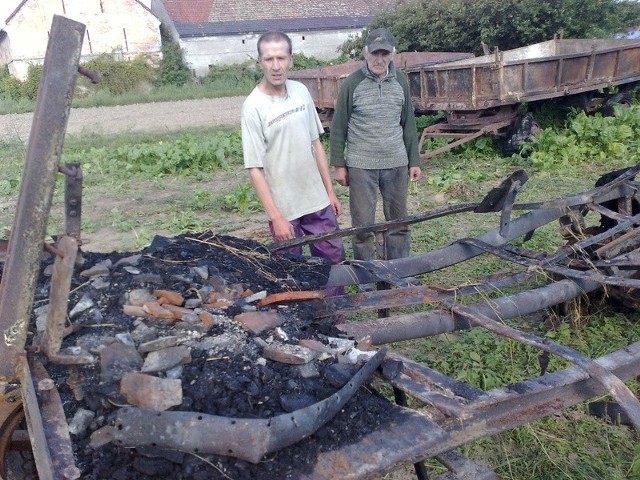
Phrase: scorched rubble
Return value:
(180, 326)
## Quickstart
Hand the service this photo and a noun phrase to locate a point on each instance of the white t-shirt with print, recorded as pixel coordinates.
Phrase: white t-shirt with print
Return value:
(276, 136)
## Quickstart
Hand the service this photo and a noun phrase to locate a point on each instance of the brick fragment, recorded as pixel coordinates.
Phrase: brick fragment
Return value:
(134, 311)
(289, 354)
(170, 296)
(156, 310)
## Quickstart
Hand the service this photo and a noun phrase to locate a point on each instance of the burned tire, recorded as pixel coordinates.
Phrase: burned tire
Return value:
(607, 109)
(521, 131)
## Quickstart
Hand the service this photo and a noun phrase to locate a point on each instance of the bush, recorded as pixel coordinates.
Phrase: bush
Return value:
(173, 70)
(29, 87)
(120, 76)
(10, 86)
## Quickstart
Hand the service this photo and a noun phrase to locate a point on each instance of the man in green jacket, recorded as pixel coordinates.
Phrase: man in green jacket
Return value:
(374, 122)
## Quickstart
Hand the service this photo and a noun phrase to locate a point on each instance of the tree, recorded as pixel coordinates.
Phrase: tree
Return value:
(461, 25)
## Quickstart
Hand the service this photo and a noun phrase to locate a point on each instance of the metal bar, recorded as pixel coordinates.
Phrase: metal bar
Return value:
(415, 325)
(73, 201)
(36, 191)
(245, 438)
(616, 387)
(592, 274)
(54, 423)
(35, 424)
(414, 295)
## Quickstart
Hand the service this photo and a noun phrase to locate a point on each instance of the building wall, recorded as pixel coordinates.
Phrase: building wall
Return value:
(200, 53)
(120, 27)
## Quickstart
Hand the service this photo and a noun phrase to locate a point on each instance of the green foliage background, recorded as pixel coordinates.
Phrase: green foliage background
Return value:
(461, 25)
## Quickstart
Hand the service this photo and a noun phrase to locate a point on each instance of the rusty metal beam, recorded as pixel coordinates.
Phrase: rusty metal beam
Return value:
(415, 325)
(47, 425)
(36, 189)
(616, 387)
(347, 274)
(245, 438)
(412, 438)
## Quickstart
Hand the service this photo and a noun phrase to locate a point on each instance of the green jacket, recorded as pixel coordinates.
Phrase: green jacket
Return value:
(374, 121)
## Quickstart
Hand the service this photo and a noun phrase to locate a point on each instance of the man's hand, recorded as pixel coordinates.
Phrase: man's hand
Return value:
(335, 204)
(282, 229)
(342, 176)
(415, 173)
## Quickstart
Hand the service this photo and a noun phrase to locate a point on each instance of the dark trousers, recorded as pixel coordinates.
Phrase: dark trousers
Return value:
(363, 195)
(322, 221)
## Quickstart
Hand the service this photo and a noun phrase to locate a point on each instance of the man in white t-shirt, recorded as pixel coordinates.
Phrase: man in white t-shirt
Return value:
(287, 164)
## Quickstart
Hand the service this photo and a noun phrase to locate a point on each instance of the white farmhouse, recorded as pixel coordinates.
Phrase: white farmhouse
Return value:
(219, 32)
(123, 28)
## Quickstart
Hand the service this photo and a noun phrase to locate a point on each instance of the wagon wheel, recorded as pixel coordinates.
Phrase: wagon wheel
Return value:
(523, 129)
(621, 98)
(16, 459)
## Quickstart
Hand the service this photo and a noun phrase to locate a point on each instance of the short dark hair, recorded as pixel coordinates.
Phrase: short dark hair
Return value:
(274, 37)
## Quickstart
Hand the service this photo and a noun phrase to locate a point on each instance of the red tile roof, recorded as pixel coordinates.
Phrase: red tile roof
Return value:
(202, 11)
(188, 11)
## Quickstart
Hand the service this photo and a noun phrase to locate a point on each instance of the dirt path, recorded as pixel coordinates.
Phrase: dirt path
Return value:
(146, 117)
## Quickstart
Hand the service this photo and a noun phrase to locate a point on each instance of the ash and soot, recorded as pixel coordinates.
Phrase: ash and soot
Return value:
(186, 327)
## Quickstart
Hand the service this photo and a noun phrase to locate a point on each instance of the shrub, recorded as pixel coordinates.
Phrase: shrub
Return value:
(173, 70)
(10, 86)
(120, 76)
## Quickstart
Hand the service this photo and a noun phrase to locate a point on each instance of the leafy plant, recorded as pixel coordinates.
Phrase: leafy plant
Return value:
(188, 155)
(242, 199)
(586, 139)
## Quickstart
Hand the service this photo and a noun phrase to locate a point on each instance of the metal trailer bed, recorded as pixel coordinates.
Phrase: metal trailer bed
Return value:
(481, 95)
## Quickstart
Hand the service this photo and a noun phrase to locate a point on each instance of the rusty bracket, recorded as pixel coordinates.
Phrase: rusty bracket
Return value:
(59, 295)
(73, 201)
(245, 438)
(95, 77)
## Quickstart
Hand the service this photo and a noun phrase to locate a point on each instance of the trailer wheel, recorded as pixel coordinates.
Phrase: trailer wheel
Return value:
(523, 129)
(621, 98)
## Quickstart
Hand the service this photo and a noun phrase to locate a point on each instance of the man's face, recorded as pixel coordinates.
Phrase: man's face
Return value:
(378, 62)
(275, 62)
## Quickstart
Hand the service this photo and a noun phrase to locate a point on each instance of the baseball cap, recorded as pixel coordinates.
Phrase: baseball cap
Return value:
(380, 39)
